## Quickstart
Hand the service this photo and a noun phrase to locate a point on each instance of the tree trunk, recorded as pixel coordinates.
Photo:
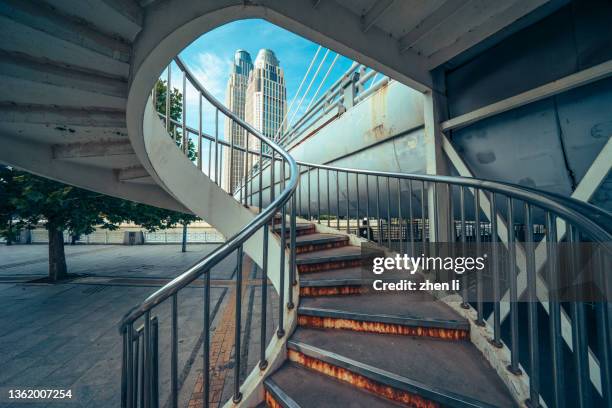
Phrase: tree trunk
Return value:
(9, 235)
(184, 244)
(57, 258)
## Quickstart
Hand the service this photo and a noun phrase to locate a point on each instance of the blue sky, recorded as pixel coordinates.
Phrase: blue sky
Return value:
(210, 57)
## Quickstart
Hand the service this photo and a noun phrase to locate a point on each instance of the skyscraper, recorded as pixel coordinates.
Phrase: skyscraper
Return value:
(266, 95)
(235, 98)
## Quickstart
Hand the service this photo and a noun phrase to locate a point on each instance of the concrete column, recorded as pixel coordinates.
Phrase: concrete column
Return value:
(434, 112)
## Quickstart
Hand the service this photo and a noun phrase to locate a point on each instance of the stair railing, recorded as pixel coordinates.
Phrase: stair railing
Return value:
(413, 213)
(140, 378)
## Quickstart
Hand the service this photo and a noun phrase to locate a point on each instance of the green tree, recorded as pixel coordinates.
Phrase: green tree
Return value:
(10, 224)
(60, 208)
(176, 112)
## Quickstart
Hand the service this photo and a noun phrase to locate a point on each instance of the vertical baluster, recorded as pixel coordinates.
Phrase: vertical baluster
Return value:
(129, 366)
(124, 372)
(399, 215)
(155, 363)
(436, 216)
(184, 117)
(246, 169)
(554, 308)
(514, 347)
(318, 196)
(251, 171)
(532, 317)
(174, 354)
(237, 328)
(388, 214)
(139, 373)
(309, 213)
(281, 293)
(260, 175)
(146, 374)
(602, 315)
(357, 194)
(337, 200)
(348, 208)
(367, 177)
(206, 341)
(217, 167)
(199, 161)
(380, 236)
(479, 288)
(411, 216)
(328, 201)
(496, 278)
(263, 363)
(423, 236)
(168, 97)
(464, 278)
(293, 232)
(300, 189)
(272, 179)
(579, 333)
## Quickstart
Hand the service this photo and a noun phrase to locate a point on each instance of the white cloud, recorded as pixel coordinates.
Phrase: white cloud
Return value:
(212, 71)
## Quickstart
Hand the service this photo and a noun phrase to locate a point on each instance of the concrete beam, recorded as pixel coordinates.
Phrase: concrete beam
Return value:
(92, 149)
(476, 29)
(429, 23)
(572, 81)
(375, 12)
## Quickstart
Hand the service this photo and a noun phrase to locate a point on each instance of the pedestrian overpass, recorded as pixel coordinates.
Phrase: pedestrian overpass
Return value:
(510, 117)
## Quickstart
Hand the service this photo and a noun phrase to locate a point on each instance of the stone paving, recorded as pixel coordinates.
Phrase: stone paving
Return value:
(65, 335)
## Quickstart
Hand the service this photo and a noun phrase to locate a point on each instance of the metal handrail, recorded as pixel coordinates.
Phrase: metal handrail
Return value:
(582, 214)
(147, 394)
(231, 244)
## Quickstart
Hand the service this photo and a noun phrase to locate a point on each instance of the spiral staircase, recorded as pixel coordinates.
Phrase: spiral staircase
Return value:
(77, 106)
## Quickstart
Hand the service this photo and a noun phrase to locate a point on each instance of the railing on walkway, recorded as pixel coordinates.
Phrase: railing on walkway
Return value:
(523, 229)
(356, 84)
(411, 213)
(141, 357)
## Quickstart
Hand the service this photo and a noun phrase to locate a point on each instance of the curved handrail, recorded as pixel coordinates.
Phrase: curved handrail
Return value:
(590, 218)
(234, 242)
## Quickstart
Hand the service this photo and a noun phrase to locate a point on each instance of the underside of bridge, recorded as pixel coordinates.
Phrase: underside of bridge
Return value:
(494, 126)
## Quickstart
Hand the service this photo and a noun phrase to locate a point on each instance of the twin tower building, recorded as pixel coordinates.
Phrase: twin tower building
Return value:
(257, 94)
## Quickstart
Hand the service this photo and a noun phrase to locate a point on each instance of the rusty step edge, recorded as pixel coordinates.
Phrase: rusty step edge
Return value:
(318, 283)
(386, 378)
(385, 319)
(323, 240)
(279, 396)
(327, 259)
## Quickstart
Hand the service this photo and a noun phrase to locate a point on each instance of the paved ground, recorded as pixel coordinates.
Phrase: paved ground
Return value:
(65, 335)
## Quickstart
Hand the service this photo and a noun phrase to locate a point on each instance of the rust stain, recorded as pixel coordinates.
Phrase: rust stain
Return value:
(310, 291)
(319, 247)
(381, 328)
(325, 266)
(362, 382)
(270, 401)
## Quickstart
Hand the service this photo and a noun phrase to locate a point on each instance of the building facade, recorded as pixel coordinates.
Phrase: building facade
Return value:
(235, 98)
(266, 95)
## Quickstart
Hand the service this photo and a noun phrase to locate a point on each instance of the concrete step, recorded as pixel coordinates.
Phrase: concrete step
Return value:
(295, 386)
(32, 82)
(413, 314)
(411, 370)
(117, 18)
(301, 229)
(328, 259)
(46, 35)
(318, 242)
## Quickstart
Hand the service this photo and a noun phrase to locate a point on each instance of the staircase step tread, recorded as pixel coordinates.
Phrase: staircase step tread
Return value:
(334, 277)
(307, 388)
(351, 252)
(401, 308)
(453, 368)
(319, 238)
(300, 226)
